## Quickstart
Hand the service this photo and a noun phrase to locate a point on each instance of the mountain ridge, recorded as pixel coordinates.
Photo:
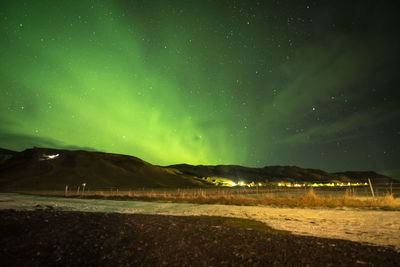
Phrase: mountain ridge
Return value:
(47, 168)
(44, 168)
(278, 173)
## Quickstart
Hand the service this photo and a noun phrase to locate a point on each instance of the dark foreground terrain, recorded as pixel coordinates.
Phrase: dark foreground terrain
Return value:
(48, 237)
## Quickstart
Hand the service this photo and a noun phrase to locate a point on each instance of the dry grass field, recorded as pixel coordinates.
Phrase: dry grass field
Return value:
(295, 197)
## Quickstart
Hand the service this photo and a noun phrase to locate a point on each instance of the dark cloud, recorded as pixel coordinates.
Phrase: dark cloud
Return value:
(20, 142)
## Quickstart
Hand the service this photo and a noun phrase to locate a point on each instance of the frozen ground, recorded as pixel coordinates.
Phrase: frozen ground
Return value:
(361, 225)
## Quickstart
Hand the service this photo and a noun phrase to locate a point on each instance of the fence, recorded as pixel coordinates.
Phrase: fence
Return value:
(275, 191)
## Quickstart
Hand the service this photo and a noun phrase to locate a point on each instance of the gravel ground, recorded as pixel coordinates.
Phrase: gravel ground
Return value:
(376, 227)
(68, 238)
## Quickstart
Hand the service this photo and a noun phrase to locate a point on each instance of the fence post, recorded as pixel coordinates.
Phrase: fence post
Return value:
(83, 189)
(372, 190)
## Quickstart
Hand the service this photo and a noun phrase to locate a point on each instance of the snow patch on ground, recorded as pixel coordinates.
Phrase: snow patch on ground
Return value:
(360, 225)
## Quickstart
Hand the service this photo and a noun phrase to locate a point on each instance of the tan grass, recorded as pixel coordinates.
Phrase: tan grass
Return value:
(239, 197)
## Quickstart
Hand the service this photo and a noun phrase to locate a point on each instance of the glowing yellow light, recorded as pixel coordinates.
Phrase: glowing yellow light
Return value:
(46, 157)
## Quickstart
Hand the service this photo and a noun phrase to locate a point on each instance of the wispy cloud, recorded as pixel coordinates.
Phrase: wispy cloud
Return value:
(346, 128)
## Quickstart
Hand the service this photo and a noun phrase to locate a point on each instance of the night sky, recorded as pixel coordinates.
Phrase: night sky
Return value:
(307, 83)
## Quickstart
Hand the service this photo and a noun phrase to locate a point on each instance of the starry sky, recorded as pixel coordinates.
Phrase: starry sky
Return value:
(255, 83)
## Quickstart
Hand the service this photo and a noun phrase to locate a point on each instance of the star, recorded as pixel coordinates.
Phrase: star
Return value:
(162, 77)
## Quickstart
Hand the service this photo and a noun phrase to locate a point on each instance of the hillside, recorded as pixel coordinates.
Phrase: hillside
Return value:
(362, 175)
(42, 168)
(6, 154)
(278, 173)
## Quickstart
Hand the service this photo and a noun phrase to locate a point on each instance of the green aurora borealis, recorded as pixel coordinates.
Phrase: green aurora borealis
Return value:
(304, 83)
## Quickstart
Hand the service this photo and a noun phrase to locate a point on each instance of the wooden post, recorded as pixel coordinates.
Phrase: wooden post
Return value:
(372, 190)
(83, 189)
(66, 190)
